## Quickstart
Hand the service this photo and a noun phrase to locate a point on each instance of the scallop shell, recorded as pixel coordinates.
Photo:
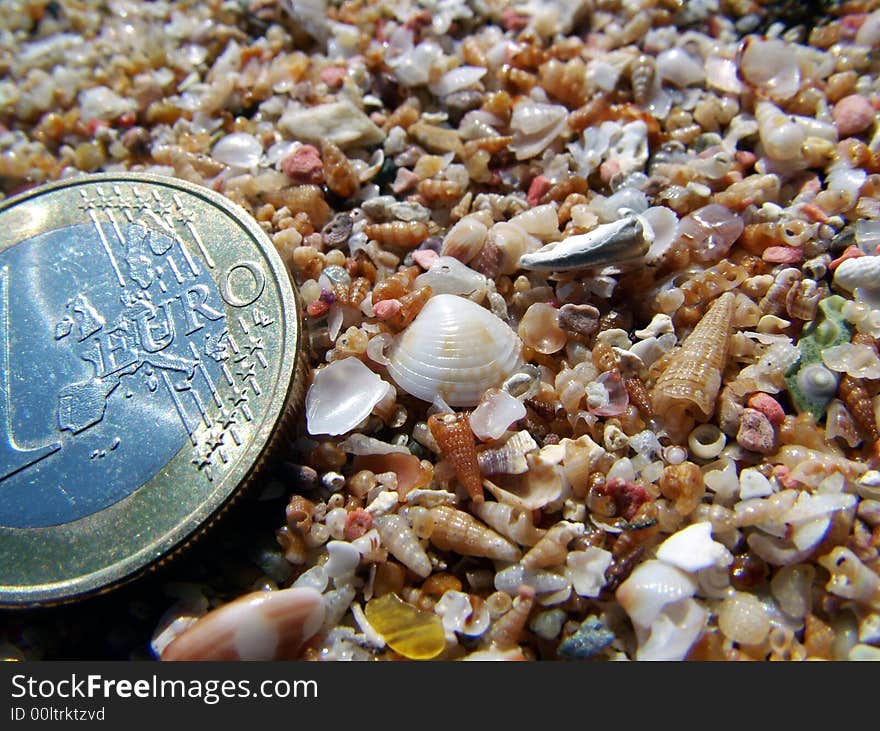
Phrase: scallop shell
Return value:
(454, 349)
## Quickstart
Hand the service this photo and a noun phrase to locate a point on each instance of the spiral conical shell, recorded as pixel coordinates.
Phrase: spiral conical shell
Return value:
(508, 628)
(552, 549)
(454, 349)
(692, 379)
(457, 444)
(403, 544)
(455, 530)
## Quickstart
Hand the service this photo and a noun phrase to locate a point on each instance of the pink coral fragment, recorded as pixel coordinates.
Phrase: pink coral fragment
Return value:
(304, 165)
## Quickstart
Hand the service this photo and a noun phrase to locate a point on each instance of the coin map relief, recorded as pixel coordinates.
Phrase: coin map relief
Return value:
(129, 339)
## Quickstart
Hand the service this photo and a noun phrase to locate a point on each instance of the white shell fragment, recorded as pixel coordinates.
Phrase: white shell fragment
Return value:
(454, 349)
(341, 123)
(238, 150)
(342, 395)
(652, 586)
(497, 411)
(535, 126)
(753, 484)
(692, 549)
(586, 570)
(673, 632)
(859, 361)
(771, 66)
(609, 243)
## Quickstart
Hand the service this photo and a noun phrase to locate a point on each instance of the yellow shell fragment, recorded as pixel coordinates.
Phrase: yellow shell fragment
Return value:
(414, 634)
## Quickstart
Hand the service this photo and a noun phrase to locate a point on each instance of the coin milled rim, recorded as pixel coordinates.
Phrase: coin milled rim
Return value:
(165, 514)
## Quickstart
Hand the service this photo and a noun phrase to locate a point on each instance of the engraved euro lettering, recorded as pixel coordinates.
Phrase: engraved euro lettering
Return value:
(243, 284)
(195, 303)
(13, 457)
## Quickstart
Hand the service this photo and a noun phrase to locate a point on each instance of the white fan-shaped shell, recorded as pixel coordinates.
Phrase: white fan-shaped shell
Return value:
(454, 349)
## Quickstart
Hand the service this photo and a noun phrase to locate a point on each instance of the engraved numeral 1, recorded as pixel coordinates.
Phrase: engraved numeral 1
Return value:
(13, 458)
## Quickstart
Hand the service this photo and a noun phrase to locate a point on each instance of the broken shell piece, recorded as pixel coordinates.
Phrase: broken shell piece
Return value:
(535, 126)
(586, 570)
(341, 123)
(454, 349)
(859, 361)
(497, 411)
(552, 549)
(649, 588)
(850, 578)
(673, 632)
(540, 485)
(342, 395)
(460, 615)
(610, 243)
(264, 625)
(692, 549)
(510, 521)
(510, 458)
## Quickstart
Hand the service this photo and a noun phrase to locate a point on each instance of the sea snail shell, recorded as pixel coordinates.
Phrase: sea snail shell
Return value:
(454, 349)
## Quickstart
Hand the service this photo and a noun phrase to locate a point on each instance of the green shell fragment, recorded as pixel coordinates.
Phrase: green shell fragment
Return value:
(589, 639)
(810, 383)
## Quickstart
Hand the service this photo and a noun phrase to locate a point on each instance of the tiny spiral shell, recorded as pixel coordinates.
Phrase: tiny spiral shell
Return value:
(775, 300)
(566, 81)
(439, 193)
(299, 514)
(403, 544)
(692, 380)
(457, 444)
(857, 399)
(455, 530)
(510, 521)
(399, 234)
(507, 630)
(552, 549)
(641, 77)
(802, 300)
(339, 173)
(410, 305)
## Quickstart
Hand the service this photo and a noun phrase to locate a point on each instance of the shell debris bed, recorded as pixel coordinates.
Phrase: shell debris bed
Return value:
(591, 306)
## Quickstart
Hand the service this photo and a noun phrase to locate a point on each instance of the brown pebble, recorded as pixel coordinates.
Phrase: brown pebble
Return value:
(579, 319)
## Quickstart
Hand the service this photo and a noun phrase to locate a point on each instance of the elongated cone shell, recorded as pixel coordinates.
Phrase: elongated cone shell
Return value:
(264, 625)
(454, 349)
(455, 530)
(403, 544)
(692, 379)
(453, 434)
